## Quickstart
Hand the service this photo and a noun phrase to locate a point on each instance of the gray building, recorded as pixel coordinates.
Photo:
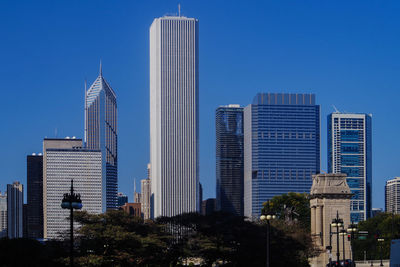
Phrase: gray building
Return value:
(281, 147)
(15, 203)
(229, 159)
(101, 131)
(3, 215)
(65, 160)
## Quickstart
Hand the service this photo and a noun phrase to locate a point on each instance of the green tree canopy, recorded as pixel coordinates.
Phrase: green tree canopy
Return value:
(383, 225)
(291, 208)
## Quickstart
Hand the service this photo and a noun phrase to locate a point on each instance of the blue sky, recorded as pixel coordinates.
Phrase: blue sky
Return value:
(346, 52)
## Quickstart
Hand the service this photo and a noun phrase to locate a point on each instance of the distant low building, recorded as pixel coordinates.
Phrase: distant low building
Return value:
(208, 206)
(376, 211)
(122, 199)
(132, 209)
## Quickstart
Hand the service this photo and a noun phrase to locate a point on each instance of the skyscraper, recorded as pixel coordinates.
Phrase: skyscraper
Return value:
(392, 195)
(174, 115)
(34, 175)
(229, 158)
(65, 160)
(281, 147)
(3, 215)
(349, 152)
(101, 131)
(146, 197)
(15, 202)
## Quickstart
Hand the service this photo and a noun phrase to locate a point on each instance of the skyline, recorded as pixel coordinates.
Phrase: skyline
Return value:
(344, 60)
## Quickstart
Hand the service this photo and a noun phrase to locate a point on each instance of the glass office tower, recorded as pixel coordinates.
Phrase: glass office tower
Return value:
(281, 147)
(349, 152)
(229, 158)
(101, 131)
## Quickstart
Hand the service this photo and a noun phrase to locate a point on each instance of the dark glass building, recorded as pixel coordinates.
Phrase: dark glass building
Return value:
(281, 147)
(34, 174)
(229, 159)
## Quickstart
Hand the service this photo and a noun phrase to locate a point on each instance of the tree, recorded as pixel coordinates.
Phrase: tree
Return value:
(119, 239)
(383, 225)
(291, 207)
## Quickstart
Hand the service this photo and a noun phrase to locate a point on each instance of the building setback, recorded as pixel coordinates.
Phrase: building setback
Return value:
(281, 147)
(101, 131)
(392, 195)
(229, 159)
(65, 160)
(34, 174)
(15, 202)
(174, 115)
(349, 152)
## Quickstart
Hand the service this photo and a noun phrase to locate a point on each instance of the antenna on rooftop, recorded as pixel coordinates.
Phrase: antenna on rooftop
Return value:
(55, 132)
(336, 110)
(179, 10)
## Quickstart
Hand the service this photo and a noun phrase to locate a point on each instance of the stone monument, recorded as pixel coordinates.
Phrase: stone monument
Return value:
(329, 198)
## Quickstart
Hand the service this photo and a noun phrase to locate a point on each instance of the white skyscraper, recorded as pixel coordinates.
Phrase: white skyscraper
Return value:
(392, 195)
(174, 115)
(65, 160)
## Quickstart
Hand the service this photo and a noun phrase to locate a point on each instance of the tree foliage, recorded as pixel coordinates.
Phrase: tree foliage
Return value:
(291, 207)
(385, 226)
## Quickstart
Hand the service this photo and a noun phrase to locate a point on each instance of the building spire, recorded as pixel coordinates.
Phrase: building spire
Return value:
(101, 70)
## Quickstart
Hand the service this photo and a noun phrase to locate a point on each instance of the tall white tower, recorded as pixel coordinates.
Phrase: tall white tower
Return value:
(174, 115)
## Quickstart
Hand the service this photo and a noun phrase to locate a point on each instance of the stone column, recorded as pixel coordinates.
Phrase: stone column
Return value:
(318, 224)
(313, 218)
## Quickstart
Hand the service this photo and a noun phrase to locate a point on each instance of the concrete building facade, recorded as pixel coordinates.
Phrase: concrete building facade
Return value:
(329, 197)
(65, 160)
(392, 195)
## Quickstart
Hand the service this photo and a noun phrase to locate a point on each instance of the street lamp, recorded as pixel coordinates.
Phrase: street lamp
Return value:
(343, 233)
(352, 230)
(337, 222)
(268, 216)
(71, 201)
(380, 241)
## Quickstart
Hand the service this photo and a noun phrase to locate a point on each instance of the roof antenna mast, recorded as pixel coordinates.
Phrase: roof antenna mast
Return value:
(179, 10)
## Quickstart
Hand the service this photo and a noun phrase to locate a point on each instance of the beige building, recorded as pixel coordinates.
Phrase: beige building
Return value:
(329, 198)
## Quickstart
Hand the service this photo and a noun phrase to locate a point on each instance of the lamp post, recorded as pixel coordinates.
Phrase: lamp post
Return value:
(71, 201)
(380, 241)
(267, 216)
(337, 222)
(352, 230)
(343, 233)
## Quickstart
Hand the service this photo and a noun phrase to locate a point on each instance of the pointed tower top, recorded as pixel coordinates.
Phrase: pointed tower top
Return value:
(100, 71)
